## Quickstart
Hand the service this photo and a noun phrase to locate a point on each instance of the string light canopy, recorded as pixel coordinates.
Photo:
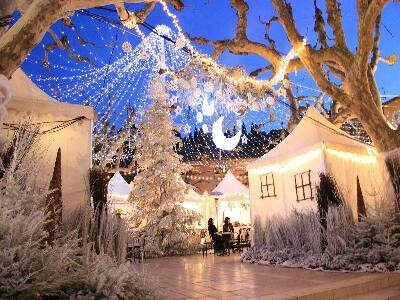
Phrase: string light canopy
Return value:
(116, 82)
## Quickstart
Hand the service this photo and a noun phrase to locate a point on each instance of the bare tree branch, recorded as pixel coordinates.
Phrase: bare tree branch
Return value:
(62, 44)
(241, 8)
(335, 22)
(375, 49)
(267, 29)
(262, 70)
(307, 55)
(22, 37)
(319, 26)
(366, 25)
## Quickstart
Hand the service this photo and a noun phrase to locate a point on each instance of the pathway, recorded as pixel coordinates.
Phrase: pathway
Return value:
(215, 277)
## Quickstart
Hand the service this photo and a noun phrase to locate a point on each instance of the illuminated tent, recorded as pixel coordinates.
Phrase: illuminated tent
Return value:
(230, 185)
(232, 199)
(118, 194)
(117, 186)
(63, 125)
(286, 177)
(202, 204)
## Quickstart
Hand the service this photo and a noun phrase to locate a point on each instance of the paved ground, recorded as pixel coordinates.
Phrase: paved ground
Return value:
(215, 277)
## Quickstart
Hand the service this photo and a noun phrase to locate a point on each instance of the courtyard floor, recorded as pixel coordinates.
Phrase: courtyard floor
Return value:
(216, 277)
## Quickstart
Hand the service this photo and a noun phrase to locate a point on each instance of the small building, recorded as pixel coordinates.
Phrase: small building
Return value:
(118, 191)
(285, 178)
(62, 125)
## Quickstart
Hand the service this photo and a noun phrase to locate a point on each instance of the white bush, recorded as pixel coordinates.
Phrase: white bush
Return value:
(369, 245)
(30, 268)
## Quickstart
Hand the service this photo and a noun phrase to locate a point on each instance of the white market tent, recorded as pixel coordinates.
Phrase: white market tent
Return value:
(29, 104)
(202, 204)
(230, 185)
(118, 194)
(118, 186)
(233, 200)
(286, 177)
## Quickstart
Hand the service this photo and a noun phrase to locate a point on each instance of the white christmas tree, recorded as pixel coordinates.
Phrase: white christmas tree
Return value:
(159, 189)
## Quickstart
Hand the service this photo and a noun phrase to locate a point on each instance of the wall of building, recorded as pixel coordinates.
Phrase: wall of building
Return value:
(285, 200)
(373, 178)
(74, 142)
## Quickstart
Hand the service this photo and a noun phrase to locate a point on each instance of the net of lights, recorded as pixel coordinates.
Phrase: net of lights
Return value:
(204, 98)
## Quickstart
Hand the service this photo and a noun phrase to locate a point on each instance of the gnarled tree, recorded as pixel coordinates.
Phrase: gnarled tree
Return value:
(357, 94)
(39, 15)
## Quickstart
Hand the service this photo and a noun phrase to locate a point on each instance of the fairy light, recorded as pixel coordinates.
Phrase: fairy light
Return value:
(215, 68)
(88, 83)
(293, 163)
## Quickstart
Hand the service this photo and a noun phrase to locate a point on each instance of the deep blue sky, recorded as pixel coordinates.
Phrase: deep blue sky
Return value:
(213, 19)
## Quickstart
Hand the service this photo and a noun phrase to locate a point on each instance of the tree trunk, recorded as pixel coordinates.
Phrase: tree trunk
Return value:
(17, 42)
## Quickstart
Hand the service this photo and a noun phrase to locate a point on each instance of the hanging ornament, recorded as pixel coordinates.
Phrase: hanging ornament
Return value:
(263, 105)
(199, 117)
(144, 55)
(250, 98)
(208, 108)
(281, 92)
(270, 101)
(180, 41)
(208, 87)
(196, 93)
(186, 128)
(178, 110)
(126, 47)
(255, 106)
(244, 140)
(190, 100)
(171, 86)
(205, 128)
(173, 100)
(184, 84)
(193, 82)
(162, 65)
(220, 140)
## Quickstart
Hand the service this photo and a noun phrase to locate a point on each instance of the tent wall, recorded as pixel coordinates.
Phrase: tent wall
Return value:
(372, 176)
(75, 144)
(286, 199)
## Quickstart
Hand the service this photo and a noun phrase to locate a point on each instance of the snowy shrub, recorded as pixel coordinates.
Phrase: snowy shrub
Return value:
(30, 268)
(337, 242)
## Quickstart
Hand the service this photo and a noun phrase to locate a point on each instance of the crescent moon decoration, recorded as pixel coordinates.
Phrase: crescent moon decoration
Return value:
(220, 140)
(208, 108)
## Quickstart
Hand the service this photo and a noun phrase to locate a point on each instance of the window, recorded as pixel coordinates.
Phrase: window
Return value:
(267, 185)
(303, 186)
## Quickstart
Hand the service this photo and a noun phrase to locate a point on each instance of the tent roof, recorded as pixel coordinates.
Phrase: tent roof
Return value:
(27, 97)
(118, 186)
(311, 130)
(230, 185)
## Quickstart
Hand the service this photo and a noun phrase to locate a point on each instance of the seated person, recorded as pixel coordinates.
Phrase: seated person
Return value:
(212, 230)
(228, 227)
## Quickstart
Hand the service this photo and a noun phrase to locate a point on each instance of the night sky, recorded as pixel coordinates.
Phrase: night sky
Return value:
(213, 19)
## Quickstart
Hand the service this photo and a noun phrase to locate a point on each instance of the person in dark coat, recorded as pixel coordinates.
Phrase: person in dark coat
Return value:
(212, 230)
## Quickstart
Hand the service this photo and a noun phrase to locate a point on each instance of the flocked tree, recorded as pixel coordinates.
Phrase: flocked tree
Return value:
(158, 189)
